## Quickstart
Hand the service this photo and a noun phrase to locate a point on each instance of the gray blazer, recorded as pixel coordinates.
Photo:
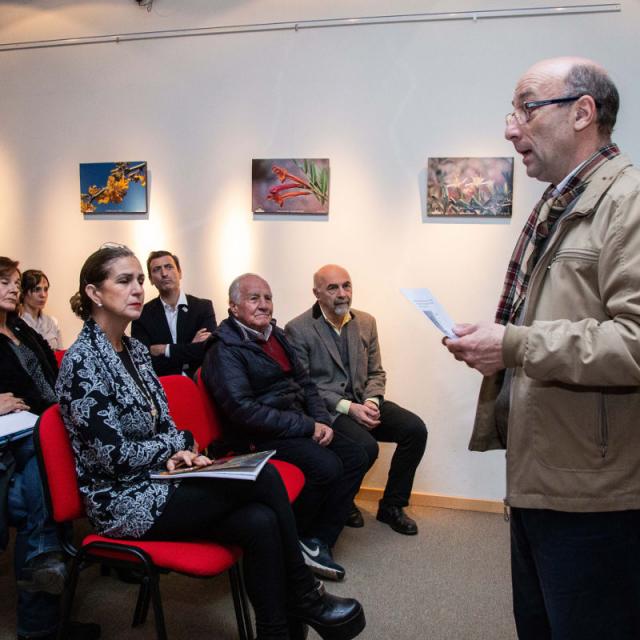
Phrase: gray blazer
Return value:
(311, 337)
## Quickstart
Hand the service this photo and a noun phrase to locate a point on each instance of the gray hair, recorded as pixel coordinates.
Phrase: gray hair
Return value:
(585, 79)
(234, 287)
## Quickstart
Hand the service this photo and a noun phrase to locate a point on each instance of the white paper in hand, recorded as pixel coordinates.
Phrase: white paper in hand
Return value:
(424, 300)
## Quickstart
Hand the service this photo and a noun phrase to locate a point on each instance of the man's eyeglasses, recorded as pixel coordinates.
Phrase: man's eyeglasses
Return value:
(522, 114)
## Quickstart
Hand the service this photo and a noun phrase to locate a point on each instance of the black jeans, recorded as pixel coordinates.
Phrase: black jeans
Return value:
(396, 425)
(576, 576)
(258, 517)
(332, 478)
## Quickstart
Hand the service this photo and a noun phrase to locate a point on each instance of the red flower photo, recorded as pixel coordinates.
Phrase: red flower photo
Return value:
(290, 186)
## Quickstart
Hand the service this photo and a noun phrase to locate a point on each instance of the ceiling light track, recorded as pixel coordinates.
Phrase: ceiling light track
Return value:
(322, 23)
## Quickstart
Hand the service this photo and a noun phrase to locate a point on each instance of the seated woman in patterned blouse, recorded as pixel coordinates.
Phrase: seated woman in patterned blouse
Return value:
(34, 293)
(116, 413)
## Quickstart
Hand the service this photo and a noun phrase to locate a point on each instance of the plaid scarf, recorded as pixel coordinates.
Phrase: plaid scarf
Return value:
(536, 231)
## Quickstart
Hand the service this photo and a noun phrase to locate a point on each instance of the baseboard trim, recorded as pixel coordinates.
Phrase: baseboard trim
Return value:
(436, 500)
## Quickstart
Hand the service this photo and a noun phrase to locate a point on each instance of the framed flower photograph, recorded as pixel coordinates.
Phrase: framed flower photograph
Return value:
(290, 186)
(113, 187)
(481, 187)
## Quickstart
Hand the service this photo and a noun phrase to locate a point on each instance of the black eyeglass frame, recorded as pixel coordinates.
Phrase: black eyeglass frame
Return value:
(532, 105)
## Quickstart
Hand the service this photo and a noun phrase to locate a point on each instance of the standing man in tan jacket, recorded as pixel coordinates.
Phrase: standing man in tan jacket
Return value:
(562, 364)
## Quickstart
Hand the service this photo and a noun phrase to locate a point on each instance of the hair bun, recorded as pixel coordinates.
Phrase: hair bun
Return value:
(76, 304)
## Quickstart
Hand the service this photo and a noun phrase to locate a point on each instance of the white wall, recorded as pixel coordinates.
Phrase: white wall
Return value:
(376, 100)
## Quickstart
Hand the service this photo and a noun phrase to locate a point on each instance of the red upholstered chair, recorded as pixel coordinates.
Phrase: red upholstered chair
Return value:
(194, 558)
(292, 477)
(188, 410)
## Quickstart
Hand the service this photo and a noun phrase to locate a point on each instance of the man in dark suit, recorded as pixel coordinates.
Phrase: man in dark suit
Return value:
(176, 327)
(339, 347)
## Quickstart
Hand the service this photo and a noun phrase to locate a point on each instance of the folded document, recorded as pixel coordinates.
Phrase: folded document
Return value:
(14, 426)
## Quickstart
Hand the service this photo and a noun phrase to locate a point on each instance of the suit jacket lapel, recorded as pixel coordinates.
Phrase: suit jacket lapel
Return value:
(353, 347)
(324, 330)
(160, 321)
(181, 325)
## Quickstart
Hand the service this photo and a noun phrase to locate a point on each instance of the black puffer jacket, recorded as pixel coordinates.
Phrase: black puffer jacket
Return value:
(257, 399)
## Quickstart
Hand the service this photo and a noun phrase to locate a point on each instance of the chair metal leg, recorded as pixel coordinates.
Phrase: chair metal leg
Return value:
(67, 600)
(154, 586)
(240, 604)
(142, 603)
(246, 607)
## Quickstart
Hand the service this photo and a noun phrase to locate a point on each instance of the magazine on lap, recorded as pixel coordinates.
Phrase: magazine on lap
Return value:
(243, 467)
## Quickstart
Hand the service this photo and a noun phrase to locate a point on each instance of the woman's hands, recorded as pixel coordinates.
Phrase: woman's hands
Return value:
(10, 404)
(187, 459)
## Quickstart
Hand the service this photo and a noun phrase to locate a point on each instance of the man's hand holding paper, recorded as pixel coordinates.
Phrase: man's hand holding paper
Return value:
(479, 345)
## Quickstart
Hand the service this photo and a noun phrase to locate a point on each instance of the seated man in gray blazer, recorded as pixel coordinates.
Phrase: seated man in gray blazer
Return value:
(339, 347)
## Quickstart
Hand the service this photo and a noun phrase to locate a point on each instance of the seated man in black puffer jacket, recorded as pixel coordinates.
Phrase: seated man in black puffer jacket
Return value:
(268, 401)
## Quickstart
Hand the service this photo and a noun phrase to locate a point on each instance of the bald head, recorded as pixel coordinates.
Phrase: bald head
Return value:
(329, 272)
(332, 288)
(564, 111)
(576, 76)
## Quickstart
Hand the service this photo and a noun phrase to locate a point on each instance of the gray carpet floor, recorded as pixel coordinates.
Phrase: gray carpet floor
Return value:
(450, 582)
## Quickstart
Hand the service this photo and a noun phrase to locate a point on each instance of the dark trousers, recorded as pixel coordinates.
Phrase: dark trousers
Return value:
(576, 576)
(397, 425)
(258, 517)
(332, 478)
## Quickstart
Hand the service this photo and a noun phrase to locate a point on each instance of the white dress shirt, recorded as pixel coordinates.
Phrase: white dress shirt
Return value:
(171, 313)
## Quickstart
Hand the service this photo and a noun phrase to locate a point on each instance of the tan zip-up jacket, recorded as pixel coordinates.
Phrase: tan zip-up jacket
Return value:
(573, 440)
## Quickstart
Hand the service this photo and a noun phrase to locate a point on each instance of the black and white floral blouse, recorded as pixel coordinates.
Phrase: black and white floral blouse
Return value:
(113, 435)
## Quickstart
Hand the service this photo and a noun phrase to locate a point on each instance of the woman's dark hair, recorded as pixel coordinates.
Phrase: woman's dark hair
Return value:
(8, 266)
(30, 280)
(95, 271)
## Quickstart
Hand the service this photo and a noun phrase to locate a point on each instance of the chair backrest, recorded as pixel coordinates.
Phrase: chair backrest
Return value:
(210, 408)
(187, 408)
(57, 466)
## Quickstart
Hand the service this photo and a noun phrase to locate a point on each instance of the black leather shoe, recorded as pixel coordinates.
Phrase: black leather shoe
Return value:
(77, 631)
(355, 518)
(397, 519)
(332, 617)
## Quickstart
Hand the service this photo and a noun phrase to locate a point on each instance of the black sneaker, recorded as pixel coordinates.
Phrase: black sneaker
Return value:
(46, 572)
(317, 556)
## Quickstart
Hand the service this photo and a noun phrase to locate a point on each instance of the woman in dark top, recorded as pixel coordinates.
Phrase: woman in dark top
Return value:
(116, 413)
(28, 366)
(28, 373)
